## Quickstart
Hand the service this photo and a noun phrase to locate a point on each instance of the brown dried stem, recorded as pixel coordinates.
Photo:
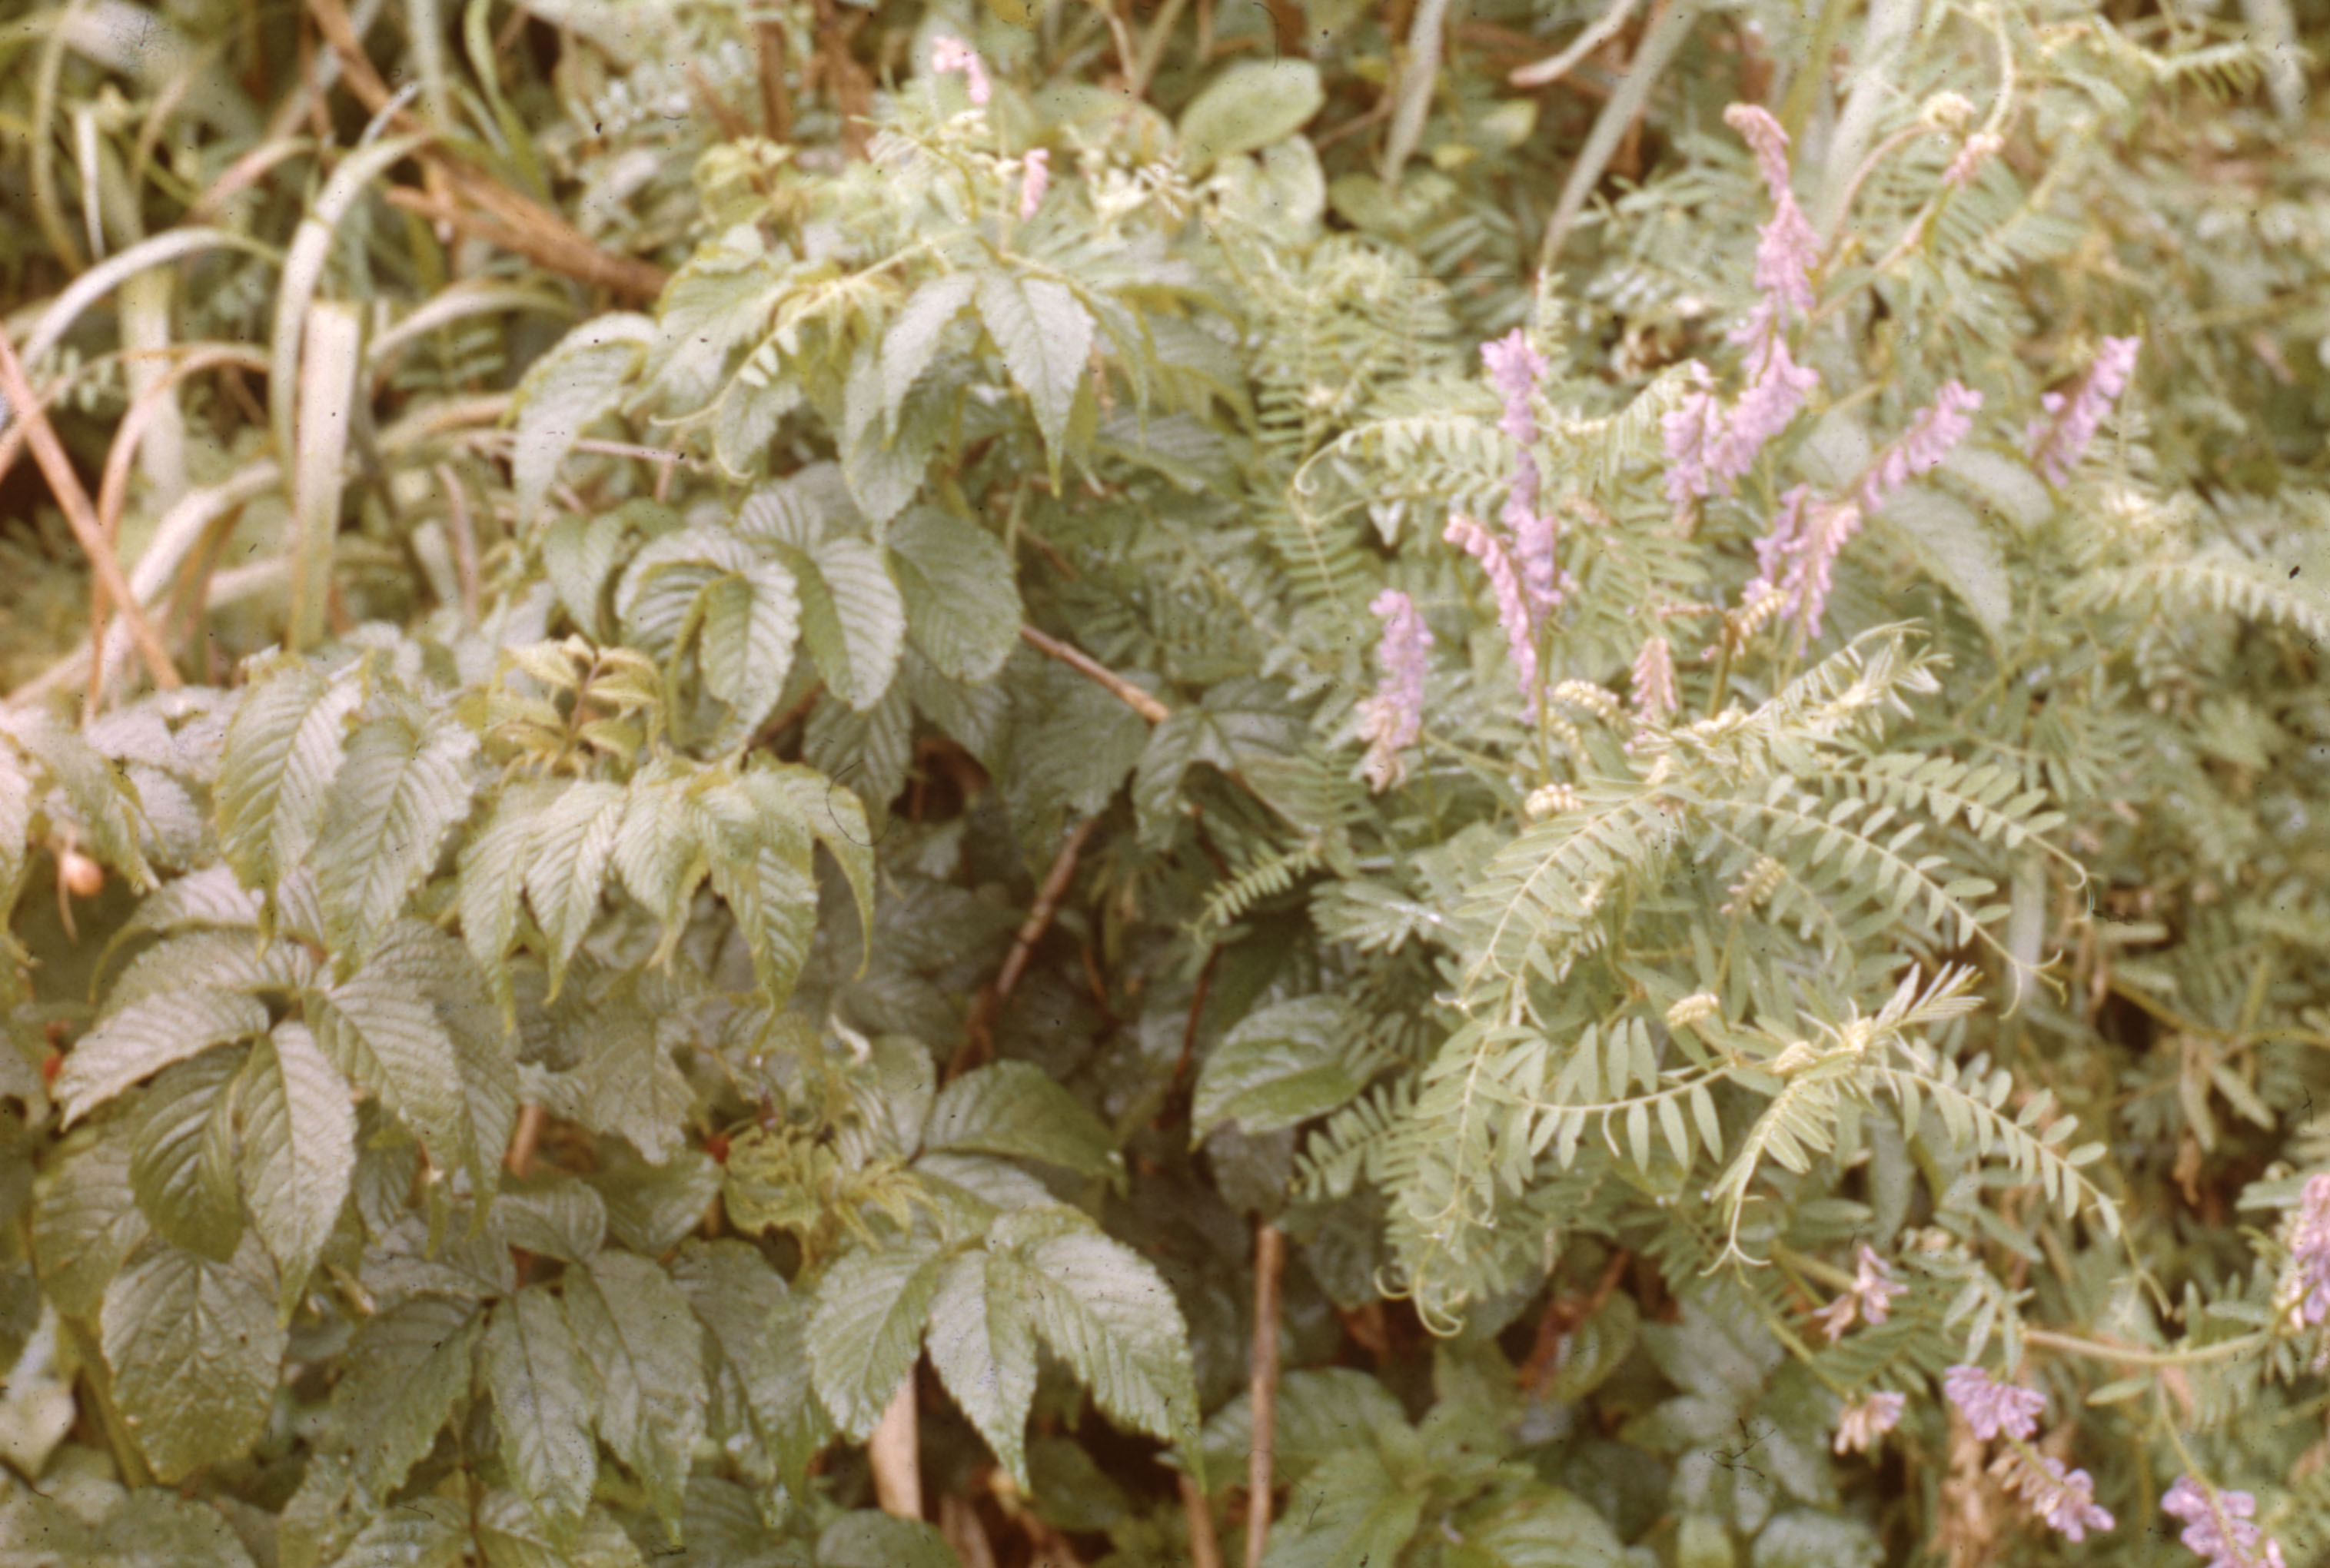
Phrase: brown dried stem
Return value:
(1076, 658)
(1269, 1262)
(79, 514)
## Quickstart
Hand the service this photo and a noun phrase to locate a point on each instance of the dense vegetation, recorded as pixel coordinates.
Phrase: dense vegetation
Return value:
(1524, 785)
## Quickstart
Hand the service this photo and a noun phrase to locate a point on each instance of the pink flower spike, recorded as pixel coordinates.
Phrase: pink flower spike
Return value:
(950, 55)
(1691, 431)
(2065, 1501)
(1776, 388)
(2218, 1526)
(1979, 149)
(1033, 182)
(1934, 432)
(1512, 608)
(1991, 1407)
(1763, 134)
(1515, 368)
(2056, 443)
(2309, 1251)
(1394, 716)
(1866, 1421)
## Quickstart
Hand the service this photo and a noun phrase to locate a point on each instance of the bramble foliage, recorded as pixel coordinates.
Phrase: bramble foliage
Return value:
(838, 687)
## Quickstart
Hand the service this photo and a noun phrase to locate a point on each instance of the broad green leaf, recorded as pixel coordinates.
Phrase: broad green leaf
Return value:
(791, 799)
(407, 1369)
(494, 867)
(717, 303)
(1810, 1538)
(852, 617)
(625, 1081)
(1045, 337)
(86, 1222)
(1016, 1108)
(415, 1026)
(1279, 1067)
(99, 792)
(657, 851)
(183, 1164)
(1596, 1348)
(405, 783)
(982, 1339)
(1107, 1312)
(15, 817)
(871, 1306)
(915, 333)
(147, 1035)
(577, 556)
(1348, 1511)
(659, 598)
(543, 1395)
(1250, 105)
(769, 888)
(282, 748)
(867, 1539)
(562, 1218)
(643, 1345)
(962, 602)
(515, 1538)
(563, 393)
(1547, 1527)
(650, 1208)
(427, 1533)
(755, 1327)
(195, 1353)
(1946, 538)
(746, 649)
(567, 866)
(298, 1149)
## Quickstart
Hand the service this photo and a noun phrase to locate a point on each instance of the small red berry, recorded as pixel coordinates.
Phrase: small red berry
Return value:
(717, 1146)
(82, 875)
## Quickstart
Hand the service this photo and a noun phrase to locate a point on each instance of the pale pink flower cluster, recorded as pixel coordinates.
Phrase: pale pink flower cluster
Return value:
(949, 53)
(1393, 717)
(1992, 1408)
(1512, 606)
(2309, 1251)
(1034, 180)
(1796, 560)
(1933, 432)
(1654, 681)
(1870, 1295)
(2218, 1526)
(1979, 149)
(1709, 449)
(2057, 441)
(2065, 1500)
(1865, 1420)
(1516, 368)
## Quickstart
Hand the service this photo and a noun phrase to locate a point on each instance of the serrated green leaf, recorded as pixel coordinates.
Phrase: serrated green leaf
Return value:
(426, 1533)
(867, 1539)
(1045, 335)
(514, 1538)
(565, 390)
(852, 617)
(962, 603)
(407, 1367)
(282, 748)
(915, 334)
(182, 1167)
(624, 1081)
(416, 1026)
(750, 622)
(577, 556)
(543, 1393)
(147, 1035)
(563, 1218)
(1278, 1067)
(86, 1221)
(867, 1326)
(1349, 1510)
(196, 1355)
(1107, 1312)
(1015, 1108)
(567, 866)
(983, 1340)
(405, 783)
(493, 866)
(756, 1327)
(646, 1350)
